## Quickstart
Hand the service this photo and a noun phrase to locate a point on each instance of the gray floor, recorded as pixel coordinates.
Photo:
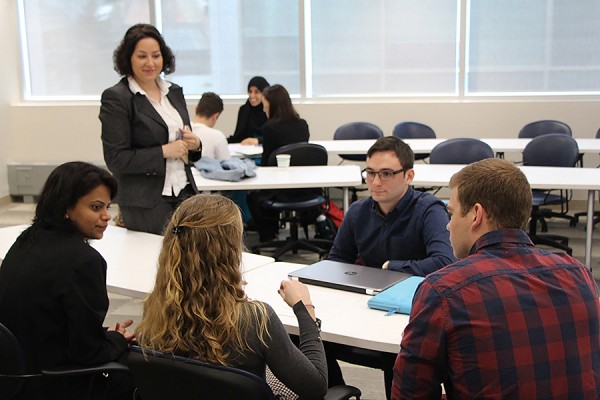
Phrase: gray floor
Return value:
(370, 381)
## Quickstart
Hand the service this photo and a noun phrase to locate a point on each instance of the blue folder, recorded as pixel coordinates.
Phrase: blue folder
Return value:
(398, 298)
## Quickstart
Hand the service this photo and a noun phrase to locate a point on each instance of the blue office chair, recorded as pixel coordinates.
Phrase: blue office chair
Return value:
(544, 127)
(356, 131)
(460, 151)
(414, 130)
(294, 204)
(159, 376)
(551, 150)
(14, 376)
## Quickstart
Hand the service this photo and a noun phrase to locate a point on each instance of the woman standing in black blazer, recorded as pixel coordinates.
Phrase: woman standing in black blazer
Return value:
(145, 132)
(53, 283)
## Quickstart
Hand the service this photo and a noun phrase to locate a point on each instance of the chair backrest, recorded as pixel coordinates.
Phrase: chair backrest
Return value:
(355, 131)
(598, 134)
(413, 130)
(301, 154)
(460, 151)
(159, 376)
(552, 150)
(12, 362)
(544, 127)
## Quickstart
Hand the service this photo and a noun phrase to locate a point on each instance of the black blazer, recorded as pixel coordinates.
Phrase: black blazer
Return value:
(53, 298)
(132, 135)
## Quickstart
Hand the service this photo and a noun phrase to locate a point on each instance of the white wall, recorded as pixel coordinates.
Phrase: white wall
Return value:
(36, 132)
(9, 79)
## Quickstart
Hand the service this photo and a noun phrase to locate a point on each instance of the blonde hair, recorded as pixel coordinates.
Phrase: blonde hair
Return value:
(198, 307)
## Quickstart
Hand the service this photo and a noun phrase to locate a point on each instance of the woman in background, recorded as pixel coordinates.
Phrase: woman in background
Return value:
(251, 115)
(53, 284)
(145, 132)
(198, 307)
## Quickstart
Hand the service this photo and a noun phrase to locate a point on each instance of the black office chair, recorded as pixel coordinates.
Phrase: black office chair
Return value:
(460, 151)
(357, 131)
(551, 150)
(414, 130)
(597, 212)
(14, 376)
(159, 376)
(294, 204)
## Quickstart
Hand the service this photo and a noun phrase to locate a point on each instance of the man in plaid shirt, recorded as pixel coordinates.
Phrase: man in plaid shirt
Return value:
(508, 320)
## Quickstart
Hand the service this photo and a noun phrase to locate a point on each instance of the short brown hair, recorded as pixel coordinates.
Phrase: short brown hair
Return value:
(209, 104)
(500, 187)
(399, 147)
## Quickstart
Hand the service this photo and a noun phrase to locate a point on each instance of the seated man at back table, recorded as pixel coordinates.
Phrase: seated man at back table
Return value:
(214, 143)
(396, 228)
(507, 321)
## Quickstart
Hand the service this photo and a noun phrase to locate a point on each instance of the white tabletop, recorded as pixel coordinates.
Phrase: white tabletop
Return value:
(131, 258)
(345, 316)
(426, 145)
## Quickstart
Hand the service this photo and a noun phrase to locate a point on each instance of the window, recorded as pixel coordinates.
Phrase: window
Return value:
(384, 47)
(535, 46)
(327, 48)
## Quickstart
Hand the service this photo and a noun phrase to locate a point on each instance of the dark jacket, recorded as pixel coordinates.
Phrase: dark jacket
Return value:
(53, 298)
(277, 134)
(132, 137)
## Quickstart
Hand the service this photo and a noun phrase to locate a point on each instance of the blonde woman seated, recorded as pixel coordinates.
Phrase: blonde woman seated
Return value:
(198, 307)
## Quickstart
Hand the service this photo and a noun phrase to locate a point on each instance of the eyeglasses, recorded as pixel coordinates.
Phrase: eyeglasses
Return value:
(384, 174)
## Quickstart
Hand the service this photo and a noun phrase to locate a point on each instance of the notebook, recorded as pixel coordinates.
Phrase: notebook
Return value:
(350, 277)
(398, 298)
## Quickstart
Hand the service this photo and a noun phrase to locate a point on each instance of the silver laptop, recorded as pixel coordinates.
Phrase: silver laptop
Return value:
(349, 277)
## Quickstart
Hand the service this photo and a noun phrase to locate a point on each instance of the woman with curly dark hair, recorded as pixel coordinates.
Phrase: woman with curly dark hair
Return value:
(145, 132)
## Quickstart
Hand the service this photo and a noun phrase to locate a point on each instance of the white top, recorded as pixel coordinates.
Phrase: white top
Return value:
(175, 177)
(214, 144)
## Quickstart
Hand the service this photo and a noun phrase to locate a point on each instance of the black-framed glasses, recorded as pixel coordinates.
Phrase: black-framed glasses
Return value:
(384, 174)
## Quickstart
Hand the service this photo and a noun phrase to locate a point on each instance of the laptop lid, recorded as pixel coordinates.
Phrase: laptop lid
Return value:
(349, 277)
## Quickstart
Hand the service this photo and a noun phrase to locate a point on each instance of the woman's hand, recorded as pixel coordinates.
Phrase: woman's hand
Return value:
(249, 141)
(121, 327)
(176, 149)
(293, 291)
(191, 140)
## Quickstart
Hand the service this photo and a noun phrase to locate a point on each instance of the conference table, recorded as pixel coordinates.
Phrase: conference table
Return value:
(587, 179)
(317, 176)
(131, 270)
(131, 258)
(499, 145)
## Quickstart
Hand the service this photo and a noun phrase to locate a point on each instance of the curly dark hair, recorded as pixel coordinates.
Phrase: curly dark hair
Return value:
(122, 54)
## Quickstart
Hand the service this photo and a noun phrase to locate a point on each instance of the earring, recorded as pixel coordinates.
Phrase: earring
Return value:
(66, 216)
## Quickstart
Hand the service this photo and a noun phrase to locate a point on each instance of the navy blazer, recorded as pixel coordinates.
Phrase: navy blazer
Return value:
(132, 137)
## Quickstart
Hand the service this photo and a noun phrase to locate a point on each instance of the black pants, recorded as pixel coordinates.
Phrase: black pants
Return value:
(154, 220)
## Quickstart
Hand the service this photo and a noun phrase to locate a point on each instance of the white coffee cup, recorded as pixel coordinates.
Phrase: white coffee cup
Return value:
(283, 160)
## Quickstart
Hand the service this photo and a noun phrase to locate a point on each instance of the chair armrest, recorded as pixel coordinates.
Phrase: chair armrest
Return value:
(342, 392)
(72, 370)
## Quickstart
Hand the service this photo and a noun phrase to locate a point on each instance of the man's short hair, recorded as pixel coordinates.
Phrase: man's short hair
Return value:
(500, 187)
(209, 104)
(392, 143)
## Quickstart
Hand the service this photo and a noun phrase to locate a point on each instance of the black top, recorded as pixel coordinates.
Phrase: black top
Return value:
(277, 134)
(53, 298)
(250, 119)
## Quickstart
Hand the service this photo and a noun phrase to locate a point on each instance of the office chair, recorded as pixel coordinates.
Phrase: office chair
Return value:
(160, 376)
(14, 375)
(597, 212)
(291, 204)
(414, 130)
(544, 127)
(460, 151)
(356, 131)
(551, 150)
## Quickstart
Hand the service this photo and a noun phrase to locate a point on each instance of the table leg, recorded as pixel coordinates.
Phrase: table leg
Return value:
(589, 228)
(346, 199)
